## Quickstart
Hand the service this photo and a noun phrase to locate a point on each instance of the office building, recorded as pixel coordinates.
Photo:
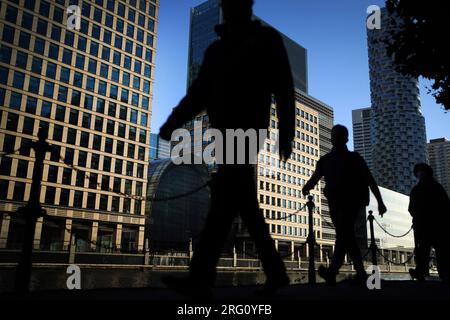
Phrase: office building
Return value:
(439, 155)
(203, 20)
(92, 88)
(362, 134)
(397, 221)
(399, 136)
(159, 148)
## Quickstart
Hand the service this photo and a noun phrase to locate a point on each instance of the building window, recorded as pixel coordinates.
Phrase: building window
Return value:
(12, 122)
(8, 34)
(57, 133)
(64, 197)
(36, 65)
(18, 80)
(78, 199)
(67, 176)
(19, 191)
(21, 60)
(33, 85)
(28, 126)
(42, 27)
(91, 201)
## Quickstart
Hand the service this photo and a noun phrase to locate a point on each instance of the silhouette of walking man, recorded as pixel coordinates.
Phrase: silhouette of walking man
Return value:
(240, 73)
(347, 182)
(429, 206)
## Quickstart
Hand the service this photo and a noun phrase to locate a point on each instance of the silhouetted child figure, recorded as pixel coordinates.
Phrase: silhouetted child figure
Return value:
(430, 209)
(240, 74)
(347, 182)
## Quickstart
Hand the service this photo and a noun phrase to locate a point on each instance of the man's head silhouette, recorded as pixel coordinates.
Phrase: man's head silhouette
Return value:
(423, 170)
(237, 11)
(339, 135)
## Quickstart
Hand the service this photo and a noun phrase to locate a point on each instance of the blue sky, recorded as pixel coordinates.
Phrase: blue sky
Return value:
(332, 31)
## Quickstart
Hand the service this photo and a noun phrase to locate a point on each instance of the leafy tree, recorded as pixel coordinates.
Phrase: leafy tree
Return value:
(418, 43)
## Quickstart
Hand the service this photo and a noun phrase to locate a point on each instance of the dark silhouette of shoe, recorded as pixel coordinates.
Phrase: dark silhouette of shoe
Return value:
(416, 275)
(272, 285)
(360, 279)
(189, 287)
(329, 277)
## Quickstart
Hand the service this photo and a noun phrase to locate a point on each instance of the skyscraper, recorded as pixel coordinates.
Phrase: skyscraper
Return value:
(159, 148)
(362, 133)
(92, 88)
(207, 15)
(204, 18)
(399, 136)
(439, 154)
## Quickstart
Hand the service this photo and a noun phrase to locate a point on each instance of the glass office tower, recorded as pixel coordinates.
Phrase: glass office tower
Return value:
(92, 88)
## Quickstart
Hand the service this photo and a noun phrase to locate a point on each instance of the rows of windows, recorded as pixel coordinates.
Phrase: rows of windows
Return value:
(273, 164)
(28, 104)
(99, 32)
(105, 71)
(291, 231)
(79, 79)
(284, 203)
(74, 137)
(71, 198)
(287, 217)
(276, 188)
(71, 116)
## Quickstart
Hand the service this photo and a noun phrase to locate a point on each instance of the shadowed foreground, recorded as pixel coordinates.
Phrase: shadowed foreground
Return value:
(344, 291)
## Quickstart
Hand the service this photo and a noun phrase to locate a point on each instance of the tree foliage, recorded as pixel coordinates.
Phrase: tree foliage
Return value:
(419, 43)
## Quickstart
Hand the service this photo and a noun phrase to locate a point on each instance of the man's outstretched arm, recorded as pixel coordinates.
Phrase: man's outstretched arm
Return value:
(317, 175)
(284, 95)
(375, 190)
(192, 104)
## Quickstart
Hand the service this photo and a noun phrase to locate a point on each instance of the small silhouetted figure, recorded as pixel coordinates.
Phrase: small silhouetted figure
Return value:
(240, 74)
(430, 209)
(347, 182)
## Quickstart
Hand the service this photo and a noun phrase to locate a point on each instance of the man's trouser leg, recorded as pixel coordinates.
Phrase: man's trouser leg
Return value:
(351, 242)
(215, 232)
(339, 246)
(422, 252)
(254, 221)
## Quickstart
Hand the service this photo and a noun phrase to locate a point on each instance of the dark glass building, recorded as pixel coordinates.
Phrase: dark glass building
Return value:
(170, 224)
(207, 15)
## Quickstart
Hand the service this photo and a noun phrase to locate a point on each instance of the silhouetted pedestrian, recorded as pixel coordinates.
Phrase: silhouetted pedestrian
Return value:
(240, 73)
(430, 209)
(347, 182)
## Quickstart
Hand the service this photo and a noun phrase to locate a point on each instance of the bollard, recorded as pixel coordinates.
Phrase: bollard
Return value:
(373, 245)
(311, 241)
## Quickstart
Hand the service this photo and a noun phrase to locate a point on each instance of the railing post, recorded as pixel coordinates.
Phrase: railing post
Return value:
(31, 212)
(72, 249)
(147, 253)
(311, 240)
(234, 257)
(373, 245)
(191, 251)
